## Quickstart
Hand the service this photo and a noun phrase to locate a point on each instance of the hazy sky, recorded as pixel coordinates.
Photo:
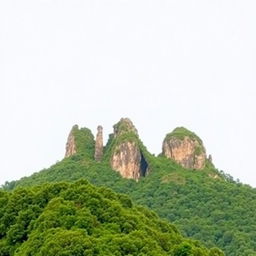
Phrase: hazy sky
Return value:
(162, 63)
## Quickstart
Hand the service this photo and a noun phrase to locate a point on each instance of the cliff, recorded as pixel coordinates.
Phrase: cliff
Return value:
(99, 144)
(71, 144)
(186, 148)
(127, 152)
(127, 155)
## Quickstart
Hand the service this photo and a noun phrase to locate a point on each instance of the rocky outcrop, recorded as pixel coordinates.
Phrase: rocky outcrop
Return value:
(71, 145)
(80, 141)
(214, 176)
(99, 144)
(125, 125)
(127, 157)
(185, 148)
(126, 153)
(128, 161)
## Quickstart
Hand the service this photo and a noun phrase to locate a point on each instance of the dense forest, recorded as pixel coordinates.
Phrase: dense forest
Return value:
(80, 219)
(206, 204)
(220, 212)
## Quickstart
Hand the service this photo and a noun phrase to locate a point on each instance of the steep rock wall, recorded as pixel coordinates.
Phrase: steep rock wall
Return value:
(127, 157)
(187, 151)
(99, 144)
(71, 145)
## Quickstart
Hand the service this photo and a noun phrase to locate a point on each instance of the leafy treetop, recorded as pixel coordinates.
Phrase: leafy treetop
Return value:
(79, 219)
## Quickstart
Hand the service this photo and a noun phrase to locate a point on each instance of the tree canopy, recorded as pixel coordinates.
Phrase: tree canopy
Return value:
(80, 219)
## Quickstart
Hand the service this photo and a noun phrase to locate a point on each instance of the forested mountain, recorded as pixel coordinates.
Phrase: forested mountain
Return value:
(81, 219)
(181, 184)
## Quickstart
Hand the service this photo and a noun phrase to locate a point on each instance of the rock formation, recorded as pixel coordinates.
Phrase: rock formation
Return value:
(125, 125)
(185, 148)
(127, 157)
(80, 141)
(99, 144)
(210, 158)
(71, 145)
(126, 153)
(126, 160)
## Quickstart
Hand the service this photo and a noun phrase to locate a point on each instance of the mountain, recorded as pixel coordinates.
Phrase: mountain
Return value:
(81, 219)
(181, 184)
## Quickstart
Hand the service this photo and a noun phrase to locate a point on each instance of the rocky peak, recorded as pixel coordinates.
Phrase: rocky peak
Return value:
(186, 148)
(125, 125)
(210, 158)
(80, 141)
(127, 155)
(99, 144)
(71, 145)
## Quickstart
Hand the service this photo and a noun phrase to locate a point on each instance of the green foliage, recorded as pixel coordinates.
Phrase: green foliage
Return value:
(80, 219)
(124, 126)
(113, 144)
(198, 150)
(203, 208)
(84, 141)
(181, 133)
(183, 249)
(124, 133)
(218, 211)
(126, 136)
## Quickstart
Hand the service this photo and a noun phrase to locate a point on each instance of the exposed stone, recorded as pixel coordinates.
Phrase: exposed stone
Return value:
(80, 141)
(214, 176)
(127, 157)
(187, 151)
(99, 144)
(128, 161)
(123, 126)
(71, 145)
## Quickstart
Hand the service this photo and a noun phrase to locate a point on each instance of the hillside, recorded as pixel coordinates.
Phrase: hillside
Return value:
(187, 189)
(81, 219)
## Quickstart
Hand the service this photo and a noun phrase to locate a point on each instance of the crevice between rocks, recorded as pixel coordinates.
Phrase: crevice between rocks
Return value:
(143, 166)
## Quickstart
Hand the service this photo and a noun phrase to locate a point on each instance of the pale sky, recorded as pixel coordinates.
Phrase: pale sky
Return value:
(162, 63)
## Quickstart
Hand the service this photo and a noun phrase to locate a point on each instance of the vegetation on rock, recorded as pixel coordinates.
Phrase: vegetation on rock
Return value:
(181, 133)
(85, 143)
(207, 205)
(218, 211)
(186, 148)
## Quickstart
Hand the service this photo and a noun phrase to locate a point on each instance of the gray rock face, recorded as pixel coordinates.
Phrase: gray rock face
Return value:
(187, 152)
(71, 145)
(99, 144)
